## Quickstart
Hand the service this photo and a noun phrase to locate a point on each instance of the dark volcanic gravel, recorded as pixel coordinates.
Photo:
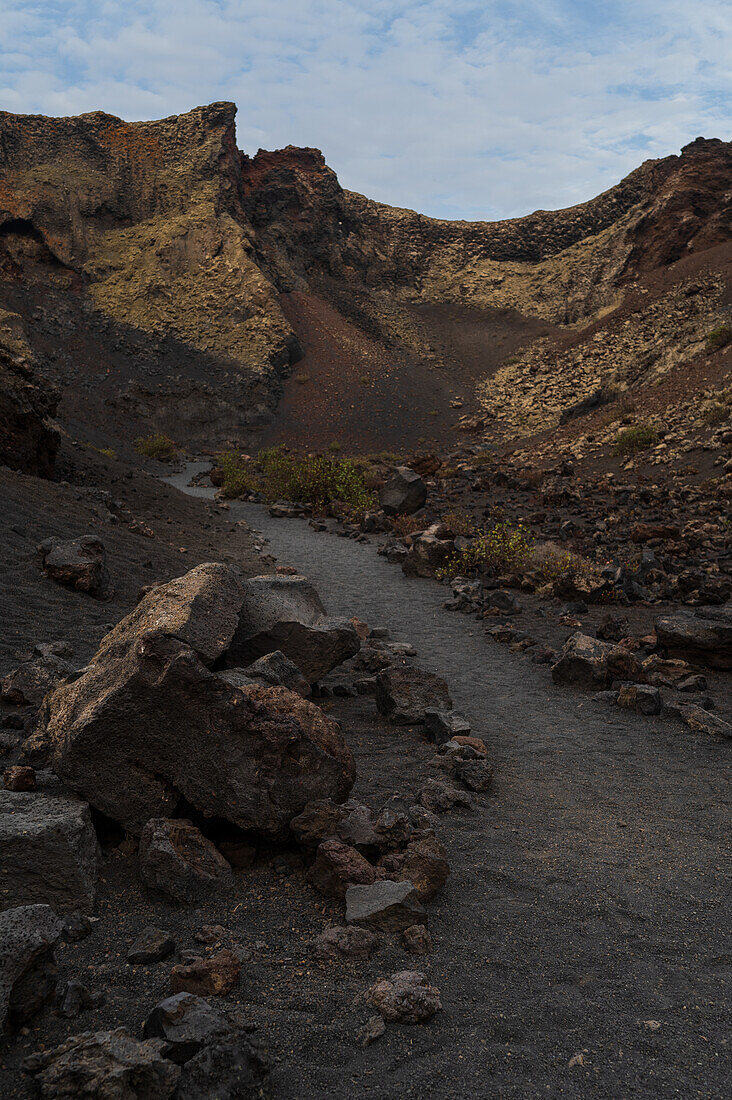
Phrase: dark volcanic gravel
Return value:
(581, 943)
(588, 909)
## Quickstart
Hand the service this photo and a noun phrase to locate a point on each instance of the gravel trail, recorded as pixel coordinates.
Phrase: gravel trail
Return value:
(582, 945)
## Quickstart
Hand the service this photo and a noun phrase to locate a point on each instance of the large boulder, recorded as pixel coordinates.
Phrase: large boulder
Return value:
(703, 637)
(28, 935)
(77, 563)
(285, 613)
(404, 695)
(104, 1065)
(49, 851)
(147, 723)
(404, 493)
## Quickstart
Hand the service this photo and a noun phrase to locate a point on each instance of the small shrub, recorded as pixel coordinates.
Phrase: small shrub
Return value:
(334, 447)
(719, 337)
(237, 475)
(502, 549)
(317, 480)
(301, 379)
(157, 446)
(716, 413)
(633, 440)
(406, 525)
(364, 380)
(459, 524)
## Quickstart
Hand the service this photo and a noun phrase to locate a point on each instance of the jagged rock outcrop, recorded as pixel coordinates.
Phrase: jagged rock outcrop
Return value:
(28, 441)
(191, 275)
(139, 230)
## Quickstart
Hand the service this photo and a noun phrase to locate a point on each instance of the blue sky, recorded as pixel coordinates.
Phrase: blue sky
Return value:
(451, 107)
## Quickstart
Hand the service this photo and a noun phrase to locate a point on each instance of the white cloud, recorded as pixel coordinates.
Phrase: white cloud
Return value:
(454, 107)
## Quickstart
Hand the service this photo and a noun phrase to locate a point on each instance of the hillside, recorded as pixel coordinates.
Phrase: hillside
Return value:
(166, 281)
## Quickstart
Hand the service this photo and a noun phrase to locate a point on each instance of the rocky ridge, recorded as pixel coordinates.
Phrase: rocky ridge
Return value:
(171, 281)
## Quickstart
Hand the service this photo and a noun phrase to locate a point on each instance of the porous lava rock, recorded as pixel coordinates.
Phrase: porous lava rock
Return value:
(80, 564)
(28, 935)
(49, 851)
(104, 1065)
(406, 997)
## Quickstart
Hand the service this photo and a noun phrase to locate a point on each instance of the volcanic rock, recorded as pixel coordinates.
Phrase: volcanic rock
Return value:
(404, 493)
(284, 613)
(404, 695)
(104, 1065)
(28, 440)
(30, 682)
(442, 725)
(151, 946)
(177, 860)
(185, 1023)
(229, 1068)
(423, 863)
(593, 663)
(417, 940)
(338, 866)
(406, 997)
(28, 935)
(703, 637)
(147, 722)
(386, 905)
(211, 977)
(280, 671)
(347, 943)
(77, 563)
(19, 778)
(49, 851)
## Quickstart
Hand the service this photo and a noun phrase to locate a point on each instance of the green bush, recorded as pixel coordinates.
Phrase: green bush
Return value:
(633, 440)
(502, 549)
(237, 475)
(318, 480)
(719, 337)
(157, 446)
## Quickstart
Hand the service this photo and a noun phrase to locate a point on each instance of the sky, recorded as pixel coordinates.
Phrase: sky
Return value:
(454, 108)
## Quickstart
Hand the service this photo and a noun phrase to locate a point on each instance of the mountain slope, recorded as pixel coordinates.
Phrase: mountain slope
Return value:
(168, 281)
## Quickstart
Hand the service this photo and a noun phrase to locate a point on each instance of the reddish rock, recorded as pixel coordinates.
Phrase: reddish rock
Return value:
(475, 743)
(406, 997)
(338, 866)
(211, 977)
(423, 863)
(177, 860)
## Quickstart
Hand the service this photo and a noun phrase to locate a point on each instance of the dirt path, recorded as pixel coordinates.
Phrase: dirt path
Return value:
(582, 945)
